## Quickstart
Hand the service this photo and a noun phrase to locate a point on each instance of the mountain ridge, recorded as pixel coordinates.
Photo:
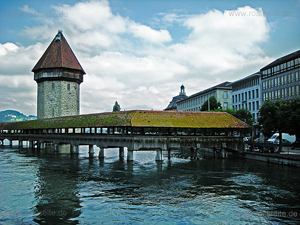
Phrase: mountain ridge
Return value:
(14, 116)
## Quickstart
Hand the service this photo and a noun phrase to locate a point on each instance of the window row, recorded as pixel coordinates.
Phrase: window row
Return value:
(251, 106)
(247, 84)
(281, 68)
(195, 101)
(245, 96)
(282, 93)
(281, 80)
(225, 106)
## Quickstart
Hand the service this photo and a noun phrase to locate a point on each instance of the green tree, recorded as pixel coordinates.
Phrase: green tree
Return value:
(116, 107)
(212, 105)
(274, 117)
(293, 120)
(244, 115)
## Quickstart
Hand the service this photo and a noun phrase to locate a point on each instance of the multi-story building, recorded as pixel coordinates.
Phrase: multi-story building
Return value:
(222, 93)
(246, 94)
(280, 79)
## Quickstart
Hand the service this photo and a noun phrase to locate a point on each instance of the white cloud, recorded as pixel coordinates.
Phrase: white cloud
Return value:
(27, 9)
(136, 65)
(149, 34)
(7, 47)
(219, 42)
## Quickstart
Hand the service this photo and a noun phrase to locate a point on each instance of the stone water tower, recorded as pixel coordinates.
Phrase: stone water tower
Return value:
(58, 75)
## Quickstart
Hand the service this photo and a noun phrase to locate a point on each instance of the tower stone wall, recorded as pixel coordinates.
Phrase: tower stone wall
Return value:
(57, 98)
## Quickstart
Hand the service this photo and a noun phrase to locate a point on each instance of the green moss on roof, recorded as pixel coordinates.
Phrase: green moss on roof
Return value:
(135, 118)
(186, 119)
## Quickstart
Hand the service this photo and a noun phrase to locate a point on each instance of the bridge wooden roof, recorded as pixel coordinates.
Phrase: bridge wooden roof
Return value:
(135, 118)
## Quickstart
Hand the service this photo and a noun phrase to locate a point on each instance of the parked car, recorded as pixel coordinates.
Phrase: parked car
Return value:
(296, 144)
(275, 137)
(284, 142)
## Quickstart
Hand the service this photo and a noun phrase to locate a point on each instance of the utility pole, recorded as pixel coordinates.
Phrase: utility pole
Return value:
(208, 105)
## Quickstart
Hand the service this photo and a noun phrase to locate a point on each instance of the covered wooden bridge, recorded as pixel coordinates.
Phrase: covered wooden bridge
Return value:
(136, 130)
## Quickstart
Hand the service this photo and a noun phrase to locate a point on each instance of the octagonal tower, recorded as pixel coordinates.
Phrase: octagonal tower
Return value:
(58, 75)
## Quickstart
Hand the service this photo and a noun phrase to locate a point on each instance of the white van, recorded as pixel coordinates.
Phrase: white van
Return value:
(275, 138)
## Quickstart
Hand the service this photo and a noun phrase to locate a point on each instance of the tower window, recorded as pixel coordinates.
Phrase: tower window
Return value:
(68, 86)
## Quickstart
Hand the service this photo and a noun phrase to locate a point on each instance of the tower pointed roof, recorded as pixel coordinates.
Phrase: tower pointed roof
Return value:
(58, 55)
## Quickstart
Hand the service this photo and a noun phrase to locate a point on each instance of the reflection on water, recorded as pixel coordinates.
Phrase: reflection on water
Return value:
(60, 189)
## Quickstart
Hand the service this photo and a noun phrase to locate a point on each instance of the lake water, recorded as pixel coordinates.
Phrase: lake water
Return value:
(47, 188)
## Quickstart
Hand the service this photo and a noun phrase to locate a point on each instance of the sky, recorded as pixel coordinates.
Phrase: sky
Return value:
(139, 52)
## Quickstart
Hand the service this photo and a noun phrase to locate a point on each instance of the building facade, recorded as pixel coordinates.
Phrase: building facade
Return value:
(246, 94)
(58, 75)
(173, 104)
(222, 93)
(280, 79)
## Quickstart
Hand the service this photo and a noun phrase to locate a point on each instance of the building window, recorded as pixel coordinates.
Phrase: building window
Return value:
(68, 86)
(225, 105)
(225, 94)
(53, 86)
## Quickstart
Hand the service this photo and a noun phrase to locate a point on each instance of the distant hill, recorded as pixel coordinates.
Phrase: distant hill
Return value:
(14, 116)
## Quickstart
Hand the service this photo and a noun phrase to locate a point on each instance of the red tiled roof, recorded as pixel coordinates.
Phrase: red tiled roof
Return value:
(58, 55)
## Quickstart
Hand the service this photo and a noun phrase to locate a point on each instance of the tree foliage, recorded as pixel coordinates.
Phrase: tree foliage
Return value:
(294, 117)
(213, 104)
(116, 107)
(242, 114)
(280, 116)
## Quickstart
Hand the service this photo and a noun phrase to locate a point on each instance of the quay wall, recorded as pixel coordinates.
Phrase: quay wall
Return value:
(282, 159)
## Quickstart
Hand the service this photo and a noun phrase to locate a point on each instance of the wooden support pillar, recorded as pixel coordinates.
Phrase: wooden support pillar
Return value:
(75, 149)
(159, 156)
(41, 145)
(30, 144)
(169, 153)
(101, 153)
(129, 154)
(10, 143)
(121, 152)
(223, 153)
(192, 153)
(20, 144)
(56, 149)
(91, 151)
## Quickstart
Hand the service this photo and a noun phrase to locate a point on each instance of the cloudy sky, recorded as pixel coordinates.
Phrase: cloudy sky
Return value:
(140, 52)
